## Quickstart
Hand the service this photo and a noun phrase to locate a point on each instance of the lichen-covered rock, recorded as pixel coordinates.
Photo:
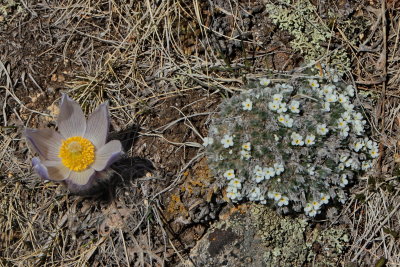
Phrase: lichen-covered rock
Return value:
(311, 36)
(254, 235)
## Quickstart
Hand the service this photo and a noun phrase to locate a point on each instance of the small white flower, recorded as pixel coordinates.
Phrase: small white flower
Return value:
(328, 89)
(246, 146)
(281, 119)
(278, 168)
(277, 97)
(348, 162)
(341, 167)
(342, 98)
(366, 165)
(258, 178)
(259, 174)
(308, 207)
(265, 81)
(326, 106)
(236, 196)
(255, 195)
(350, 90)
(231, 195)
(311, 209)
(324, 198)
(357, 146)
(229, 174)
(268, 173)
(276, 137)
(322, 129)
(355, 166)
(244, 154)
(348, 106)
(335, 78)
(316, 205)
(374, 152)
(283, 201)
(274, 105)
(310, 140)
(235, 183)
(247, 105)
(312, 213)
(277, 196)
(313, 83)
(288, 121)
(282, 108)
(258, 170)
(341, 123)
(294, 106)
(295, 135)
(357, 116)
(370, 144)
(358, 127)
(208, 141)
(230, 188)
(346, 116)
(297, 140)
(343, 180)
(343, 158)
(344, 132)
(227, 141)
(331, 98)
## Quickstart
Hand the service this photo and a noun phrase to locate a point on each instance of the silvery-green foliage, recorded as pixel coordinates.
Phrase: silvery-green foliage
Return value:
(294, 143)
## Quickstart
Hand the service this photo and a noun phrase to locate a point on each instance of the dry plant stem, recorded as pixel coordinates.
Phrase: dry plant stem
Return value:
(384, 57)
(373, 233)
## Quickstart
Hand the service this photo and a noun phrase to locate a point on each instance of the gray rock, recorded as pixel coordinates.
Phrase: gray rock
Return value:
(255, 235)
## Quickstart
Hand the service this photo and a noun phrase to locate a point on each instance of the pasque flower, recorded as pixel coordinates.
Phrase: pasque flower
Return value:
(78, 154)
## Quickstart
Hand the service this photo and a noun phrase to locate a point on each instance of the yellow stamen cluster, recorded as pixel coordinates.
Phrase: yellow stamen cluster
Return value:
(77, 153)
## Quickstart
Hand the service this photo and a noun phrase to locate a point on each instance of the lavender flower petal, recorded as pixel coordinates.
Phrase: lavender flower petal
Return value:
(40, 168)
(82, 177)
(97, 126)
(107, 155)
(50, 170)
(71, 120)
(46, 142)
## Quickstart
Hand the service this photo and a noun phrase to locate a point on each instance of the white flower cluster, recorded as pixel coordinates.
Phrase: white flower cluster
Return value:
(329, 94)
(314, 124)
(313, 208)
(297, 139)
(256, 195)
(234, 185)
(266, 173)
(245, 152)
(366, 145)
(280, 107)
(279, 199)
(286, 120)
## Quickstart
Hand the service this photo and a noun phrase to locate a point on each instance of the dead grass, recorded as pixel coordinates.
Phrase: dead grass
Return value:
(138, 55)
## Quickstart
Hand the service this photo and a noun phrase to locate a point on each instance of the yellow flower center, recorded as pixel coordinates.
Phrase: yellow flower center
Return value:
(77, 153)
